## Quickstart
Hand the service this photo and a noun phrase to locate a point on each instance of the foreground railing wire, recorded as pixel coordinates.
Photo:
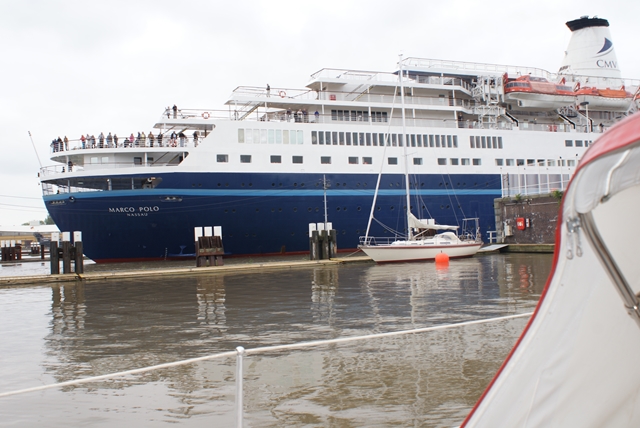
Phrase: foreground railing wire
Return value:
(240, 352)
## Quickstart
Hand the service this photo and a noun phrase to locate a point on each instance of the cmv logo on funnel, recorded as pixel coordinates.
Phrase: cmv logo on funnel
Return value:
(606, 49)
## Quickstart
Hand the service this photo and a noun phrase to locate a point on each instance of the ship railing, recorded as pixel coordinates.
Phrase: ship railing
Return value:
(528, 184)
(125, 143)
(475, 67)
(274, 351)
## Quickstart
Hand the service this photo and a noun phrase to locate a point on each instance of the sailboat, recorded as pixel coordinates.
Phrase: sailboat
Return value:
(425, 239)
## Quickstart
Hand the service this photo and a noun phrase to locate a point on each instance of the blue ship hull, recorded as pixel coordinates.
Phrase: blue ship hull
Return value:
(260, 213)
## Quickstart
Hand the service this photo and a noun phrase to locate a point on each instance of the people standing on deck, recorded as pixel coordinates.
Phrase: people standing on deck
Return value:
(268, 90)
(66, 143)
(101, 140)
(175, 112)
(70, 164)
(54, 145)
(174, 136)
(93, 141)
(195, 138)
(143, 140)
(159, 139)
(131, 138)
(151, 139)
(83, 140)
(182, 138)
(109, 140)
(317, 115)
(60, 146)
(115, 140)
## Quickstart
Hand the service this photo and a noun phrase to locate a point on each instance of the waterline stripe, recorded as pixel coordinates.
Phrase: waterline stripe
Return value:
(258, 351)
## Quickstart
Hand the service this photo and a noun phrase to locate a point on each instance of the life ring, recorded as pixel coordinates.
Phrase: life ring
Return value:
(282, 94)
(206, 115)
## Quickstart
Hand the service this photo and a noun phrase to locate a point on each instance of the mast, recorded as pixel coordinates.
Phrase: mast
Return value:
(404, 147)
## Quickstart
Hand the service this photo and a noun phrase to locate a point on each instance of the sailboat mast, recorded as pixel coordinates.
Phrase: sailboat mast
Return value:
(404, 147)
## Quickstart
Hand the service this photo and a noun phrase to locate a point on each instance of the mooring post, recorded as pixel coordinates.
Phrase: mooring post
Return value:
(333, 243)
(239, 396)
(79, 257)
(54, 259)
(66, 252)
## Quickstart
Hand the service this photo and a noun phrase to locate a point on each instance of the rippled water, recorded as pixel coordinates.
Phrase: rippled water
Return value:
(56, 333)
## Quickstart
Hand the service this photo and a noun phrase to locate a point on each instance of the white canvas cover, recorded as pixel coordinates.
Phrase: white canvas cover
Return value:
(417, 223)
(577, 363)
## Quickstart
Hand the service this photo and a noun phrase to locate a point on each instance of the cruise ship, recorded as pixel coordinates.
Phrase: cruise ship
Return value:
(274, 160)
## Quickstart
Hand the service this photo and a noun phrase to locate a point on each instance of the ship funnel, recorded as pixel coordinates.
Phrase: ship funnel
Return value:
(590, 51)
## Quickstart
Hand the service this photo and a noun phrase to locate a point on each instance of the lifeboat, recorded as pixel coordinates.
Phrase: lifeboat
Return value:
(605, 99)
(538, 92)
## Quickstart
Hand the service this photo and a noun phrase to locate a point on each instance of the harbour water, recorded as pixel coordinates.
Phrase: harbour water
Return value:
(59, 332)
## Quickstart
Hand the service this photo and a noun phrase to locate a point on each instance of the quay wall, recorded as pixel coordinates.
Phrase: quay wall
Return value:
(539, 214)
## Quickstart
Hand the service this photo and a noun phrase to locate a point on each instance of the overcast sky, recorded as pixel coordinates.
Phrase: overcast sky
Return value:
(72, 67)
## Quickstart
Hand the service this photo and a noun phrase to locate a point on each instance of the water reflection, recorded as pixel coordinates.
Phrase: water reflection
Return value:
(431, 379)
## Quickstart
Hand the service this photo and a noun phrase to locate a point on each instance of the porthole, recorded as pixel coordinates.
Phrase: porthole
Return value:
(359, 208)
(392, 208)
(295, 210)
(309, 209)
(337, 208)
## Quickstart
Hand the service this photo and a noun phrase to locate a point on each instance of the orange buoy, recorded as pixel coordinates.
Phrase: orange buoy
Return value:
(442, 258)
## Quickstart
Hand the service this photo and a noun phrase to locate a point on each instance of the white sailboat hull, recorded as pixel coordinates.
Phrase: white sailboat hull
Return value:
(416, 250)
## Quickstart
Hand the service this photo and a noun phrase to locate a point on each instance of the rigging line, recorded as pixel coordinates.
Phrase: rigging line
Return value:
(20, 197)
(384, 152)
(34, 149)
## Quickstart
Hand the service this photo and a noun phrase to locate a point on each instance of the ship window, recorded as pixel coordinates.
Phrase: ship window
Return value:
(382, 138)
(413, 140)
(272, 136)
(465, 161)
(321, 137)
(353, 160)
(245, 158)
(520, 162)
(472, 141)
(240, 135)
(341, 136)
(367, 160)
(348, 138)
(540, 162)
(455, 141)
(335, 138)
(136, 161)
(222, 158)
(437, 141)
(454, 161)
(276, 159)
(578, 143)
(510, 162)
(375, 139)
(477, 161)
(568, 143)
(392, 161)
(551, 162)
(494, 142)
(484, 142)
(394, 140)
(296, 159)
(419, 138)
(248, 136)
(368, 135)
(531, 162)
(442, 161)
(499, 162)
(325, 159)
(400, 140)
(314, 137)
(263, 136)
(256, 136)
(561, 162)
(449, 142)
(334, 115)
(430, 140)
(327, 137)
(417, 161)
(94, 159)
(499, 142)
(293, 136)
(571, 162)
(285, 136)
(278, 136)
(300, 137)
(362, 138)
